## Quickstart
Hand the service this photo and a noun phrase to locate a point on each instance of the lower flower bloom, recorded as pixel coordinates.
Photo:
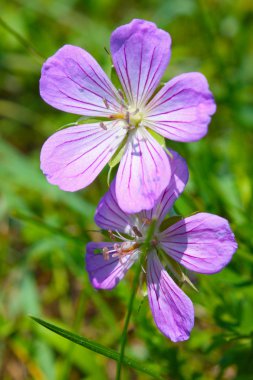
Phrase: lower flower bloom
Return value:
(202, 243)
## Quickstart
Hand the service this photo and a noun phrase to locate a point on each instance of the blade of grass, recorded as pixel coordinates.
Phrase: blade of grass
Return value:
(27, 45)
(98, 348)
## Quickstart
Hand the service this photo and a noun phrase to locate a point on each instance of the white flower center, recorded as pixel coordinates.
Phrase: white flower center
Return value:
(134, 117)
(129, 245)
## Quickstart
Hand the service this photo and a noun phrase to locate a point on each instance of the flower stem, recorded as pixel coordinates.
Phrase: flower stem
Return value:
(129, 312)
(27, 45)
(144, 250)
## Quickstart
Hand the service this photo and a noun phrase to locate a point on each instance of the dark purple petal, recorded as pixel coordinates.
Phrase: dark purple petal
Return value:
(140, 53)
(72, 81)
(106, 274)
(109, 215)
(73, 157)
(143, 173)
(203, 243)
(182, 109)
(178, 181)
(171, 308)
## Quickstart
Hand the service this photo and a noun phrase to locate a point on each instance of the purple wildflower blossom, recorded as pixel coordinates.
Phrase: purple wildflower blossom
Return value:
(73, 81)
(202, 243)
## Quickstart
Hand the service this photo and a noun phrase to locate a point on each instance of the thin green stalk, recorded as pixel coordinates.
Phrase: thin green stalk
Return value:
(129, 312)
(144, 251)
(27, 45)
(99, 349)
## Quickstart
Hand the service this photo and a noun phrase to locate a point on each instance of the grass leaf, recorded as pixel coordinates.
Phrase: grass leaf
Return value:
(98, 348)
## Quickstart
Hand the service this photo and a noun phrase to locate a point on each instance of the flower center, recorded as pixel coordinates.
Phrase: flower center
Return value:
(120, 250)
(134, 117)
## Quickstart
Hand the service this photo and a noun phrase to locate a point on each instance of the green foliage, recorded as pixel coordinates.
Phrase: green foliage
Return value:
(118, 154)
(43, 230)
(97, 348)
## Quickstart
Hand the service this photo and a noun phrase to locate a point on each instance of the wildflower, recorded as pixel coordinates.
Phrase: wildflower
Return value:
(202, 243)
(126, 120)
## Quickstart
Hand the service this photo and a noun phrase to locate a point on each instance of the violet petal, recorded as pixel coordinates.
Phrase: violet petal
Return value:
(171, 308)
(73, 157)
(182, 109)
(106, 274)
(178, 181)
(109, 215)
(203, 242)
(140, 53)
(143, 173)
(72, 81)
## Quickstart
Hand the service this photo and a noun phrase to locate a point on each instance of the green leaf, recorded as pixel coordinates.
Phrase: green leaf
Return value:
(84, 120)
(118, 154)
(90, 119)
(109, 176)
(175, 268)
(160, 139)
(98, 348)
(158, 88)
(166, 223)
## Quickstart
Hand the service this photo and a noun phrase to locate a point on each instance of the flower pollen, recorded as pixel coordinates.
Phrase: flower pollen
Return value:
(120, 250)
(132, 118)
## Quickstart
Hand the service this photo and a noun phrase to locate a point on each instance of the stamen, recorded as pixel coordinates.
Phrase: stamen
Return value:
(126, 248)
(121, 94)
(135, 112)
(143, 269)
(122, 100)
(106, 103)
(111, 235)
(116, 247)
(136, 231)
(128, 118)
(119, 236)
(106, 253)
(103, 126)
(146, 221)
(129, 127)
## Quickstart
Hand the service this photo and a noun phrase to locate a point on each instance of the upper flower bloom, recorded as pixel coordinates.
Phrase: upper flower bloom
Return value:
(73, 81)
(202, 243)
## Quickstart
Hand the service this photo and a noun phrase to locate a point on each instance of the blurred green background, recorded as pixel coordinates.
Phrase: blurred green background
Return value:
(43, 231)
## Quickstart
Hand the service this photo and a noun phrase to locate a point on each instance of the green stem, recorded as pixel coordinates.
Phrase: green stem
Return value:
(129, 312)
(27, 45)
(144, 251)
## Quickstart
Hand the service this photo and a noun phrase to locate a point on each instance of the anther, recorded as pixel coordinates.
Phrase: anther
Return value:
(106, 253)
(111, 235)
(136, 231)
(103, 126)
(117, 247)
(106, 103)
(121, 94)
(129, 127)
(128, 118)
(146, 221)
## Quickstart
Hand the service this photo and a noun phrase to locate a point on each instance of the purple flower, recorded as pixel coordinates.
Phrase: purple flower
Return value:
(73, 81)
(203, 243)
